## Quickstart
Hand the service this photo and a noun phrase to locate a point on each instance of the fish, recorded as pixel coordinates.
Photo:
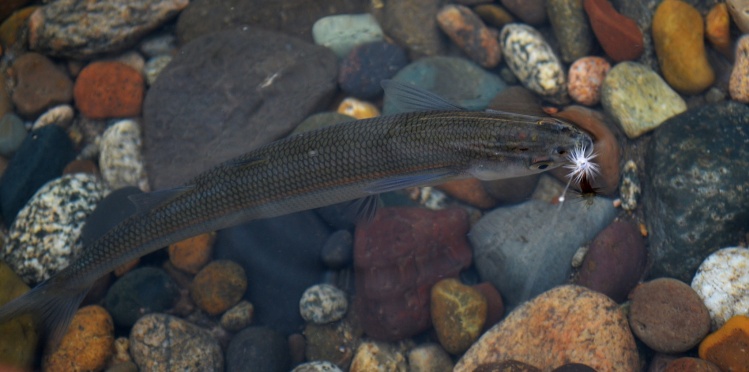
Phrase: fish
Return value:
(434, 141)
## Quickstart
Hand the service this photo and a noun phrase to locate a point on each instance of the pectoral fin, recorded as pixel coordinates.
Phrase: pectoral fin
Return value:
(402, 182)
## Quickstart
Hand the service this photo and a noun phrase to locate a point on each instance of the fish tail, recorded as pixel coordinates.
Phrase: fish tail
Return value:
(51, 305)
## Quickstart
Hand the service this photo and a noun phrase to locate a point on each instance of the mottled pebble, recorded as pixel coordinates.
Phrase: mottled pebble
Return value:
(718, 29)
(317, 366)
(571, 27)
(727, 347)
(605, 144)
(238, 317)
(108, 27)
(585, 79)
(638, 99)
(533, 61)
(522, 263)
(40, 84)
(46, 234)
(529, 11)
(338, 251)
(668, 316)
(619, 35)
(60, 115)
(429, 357)
(142, 291)
(158, 44)
(343, 32)
(366, 66)
(20, 335)
(469, 191)
(738, 85)
(629, 190)
(109, 90)
(323, 303)
(678, 35)
(467, 31)
(458, 314)
(154, 66)
(14, 24)
(455, 79)
(87, 345)
(738, 10)
(615, 261)
(218, 286)
(722, 282)
(12, 134)
(687, 364)
(565, 323)
(335, 342)
(378, 356)
(260, 347)
(120, 159)
(358, 109)
(160, 342)
(190, 255)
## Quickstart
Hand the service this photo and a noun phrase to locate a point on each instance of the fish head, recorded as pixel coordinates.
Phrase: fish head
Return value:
(527, 147)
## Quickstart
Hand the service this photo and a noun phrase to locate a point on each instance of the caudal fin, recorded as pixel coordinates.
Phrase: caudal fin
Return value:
(51, 306)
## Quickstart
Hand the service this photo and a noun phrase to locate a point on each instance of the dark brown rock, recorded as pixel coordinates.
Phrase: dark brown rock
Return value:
(398, 257)
(532, 12)
(615, 261)
(110, 25)
(619, 35)
(467, 30)
(691, 365)
(413, 25)
(292, 17)
(495, 307)
(668, 315)
(39, 84)
(506, 366)
(227, 93)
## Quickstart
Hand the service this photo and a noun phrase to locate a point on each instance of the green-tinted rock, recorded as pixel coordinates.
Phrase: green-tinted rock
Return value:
(343, 32)
(638, 99)
(19, 336)
(571, 27)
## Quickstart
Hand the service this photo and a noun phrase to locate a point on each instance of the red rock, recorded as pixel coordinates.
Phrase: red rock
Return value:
(467, 30)
(615, 261)
(469, 191)
(687, 364)
(619, 35)
(398, 257)
(495, 307)
(40, 85)
(109, 89)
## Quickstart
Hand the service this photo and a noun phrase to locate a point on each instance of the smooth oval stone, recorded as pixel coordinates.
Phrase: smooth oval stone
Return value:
(695, 187)
(344, 32)
(458, 314)
(42, 156)
(467, 31)
(520, 259)
(638, 99)
(533, 61)
(139, 292)
(338, 251)
(323, 303)
(367, 65)
(262, 348)
(455, 79)
(738, 86)
(12, 134)
(722, 282)
(120, 159)
(571, 28)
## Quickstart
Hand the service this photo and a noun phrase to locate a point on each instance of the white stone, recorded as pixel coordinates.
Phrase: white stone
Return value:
(121, 160)
(317, 366)
(60, 115)
(341, 33)
(722, 281)
(323, 303)
(154, 66)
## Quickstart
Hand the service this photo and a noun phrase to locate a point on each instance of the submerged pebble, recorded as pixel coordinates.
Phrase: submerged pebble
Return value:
(142, 291)
(343, 32)
(88, 343)
(323, 303)
(218, 286)
(586, 78)
(738, 85)
(467, 31)
(722, 282)
(120, 159)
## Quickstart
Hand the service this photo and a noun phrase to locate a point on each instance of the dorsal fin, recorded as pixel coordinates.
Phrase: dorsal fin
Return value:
(147, 201)
(517, 100)
(410, 98)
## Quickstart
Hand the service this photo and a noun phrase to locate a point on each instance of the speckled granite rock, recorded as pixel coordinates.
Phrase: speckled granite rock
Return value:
(160, 342)
(323, 303)
(81, 29)
(120, 159)
(46, 234)
(265, 84)
(566, 323)
(695, 187)
(722, 282)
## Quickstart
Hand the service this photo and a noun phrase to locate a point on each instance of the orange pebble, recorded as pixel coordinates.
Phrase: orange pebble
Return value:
(358, 109)
(190, 255)
(469, 191)
(726, 347)
(718, 28)
(87, 345)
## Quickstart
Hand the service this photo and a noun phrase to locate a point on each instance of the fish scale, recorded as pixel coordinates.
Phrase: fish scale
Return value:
(309, 170)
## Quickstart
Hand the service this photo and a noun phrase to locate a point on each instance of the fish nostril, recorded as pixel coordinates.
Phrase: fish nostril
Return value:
(560, 150)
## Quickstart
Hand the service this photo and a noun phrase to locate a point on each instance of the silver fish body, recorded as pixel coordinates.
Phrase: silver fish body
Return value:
(309, 170)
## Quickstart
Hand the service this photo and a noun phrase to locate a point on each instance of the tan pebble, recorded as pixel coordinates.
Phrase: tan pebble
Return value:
(358, 109)
(429, 358)
(238, 317)
(470, 191)
(218, 286)
(738, 85)
(60, 115)
(585, 79)
(87, 345)
(190, 255)
(739, 10)
(377, 356)
(458, 314)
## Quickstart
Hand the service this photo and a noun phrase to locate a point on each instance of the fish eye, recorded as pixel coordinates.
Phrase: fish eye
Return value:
(541, 165)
